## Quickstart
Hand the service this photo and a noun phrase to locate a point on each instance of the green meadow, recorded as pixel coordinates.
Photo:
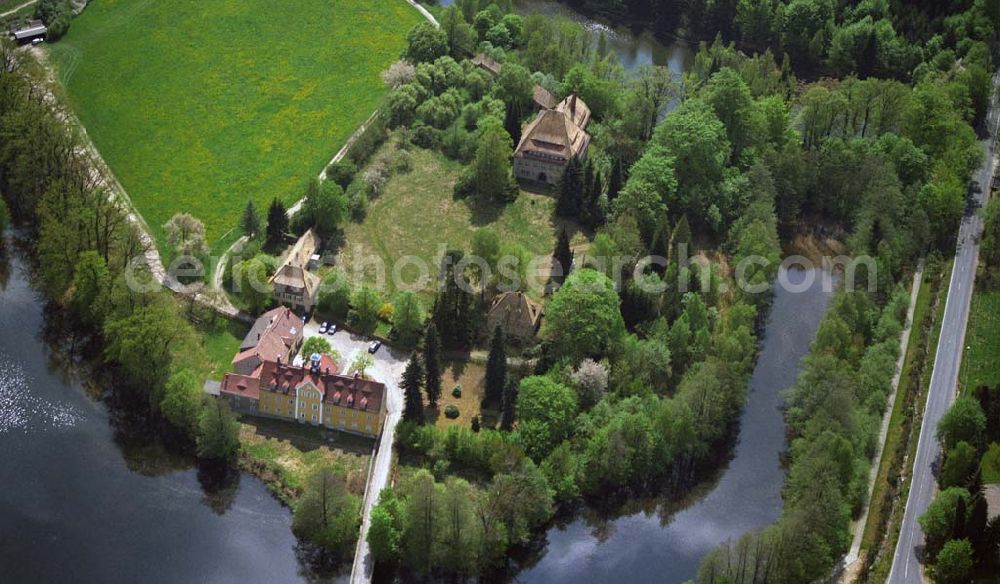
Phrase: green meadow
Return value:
(201, 105)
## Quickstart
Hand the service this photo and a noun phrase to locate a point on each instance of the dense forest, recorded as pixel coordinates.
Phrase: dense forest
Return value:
(860, 118)
(794, 115)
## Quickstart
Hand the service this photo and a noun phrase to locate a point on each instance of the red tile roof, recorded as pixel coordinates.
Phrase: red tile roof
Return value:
(351, 392)
(274, 335)
(247, 386)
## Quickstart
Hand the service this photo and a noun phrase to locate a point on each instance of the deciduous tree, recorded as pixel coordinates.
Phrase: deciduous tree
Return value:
(583, 319)
(327, 514)
(218, 431)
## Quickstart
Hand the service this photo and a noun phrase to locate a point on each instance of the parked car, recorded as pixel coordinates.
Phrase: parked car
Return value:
(35, 42)
(331, 329)
(374, 347)
(322, 328)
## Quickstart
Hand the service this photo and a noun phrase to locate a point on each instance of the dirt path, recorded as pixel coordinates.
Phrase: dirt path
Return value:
(17, 8)
(851, 563)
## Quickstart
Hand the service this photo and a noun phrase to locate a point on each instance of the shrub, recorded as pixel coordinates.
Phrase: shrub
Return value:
(401, 162)
(451, 412)
(426, 136)
(369, 141)
(342, 172)
(357, 200)
(457, 392)
(375, 177)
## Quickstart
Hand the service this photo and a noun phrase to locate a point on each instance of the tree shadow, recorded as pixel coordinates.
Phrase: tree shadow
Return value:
(483, 212)
(308, 438)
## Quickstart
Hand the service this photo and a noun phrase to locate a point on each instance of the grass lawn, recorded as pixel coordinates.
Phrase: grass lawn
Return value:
(981, 362)
(221, 340)
(290, 452)
(416, 215)
(6, 5)
(471, 376)
(200, 105)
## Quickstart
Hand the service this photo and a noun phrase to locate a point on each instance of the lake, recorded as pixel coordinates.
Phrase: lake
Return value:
(90, 496)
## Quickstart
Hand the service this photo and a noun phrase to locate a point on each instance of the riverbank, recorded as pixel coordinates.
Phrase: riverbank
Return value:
(84, 473)
(664, 539)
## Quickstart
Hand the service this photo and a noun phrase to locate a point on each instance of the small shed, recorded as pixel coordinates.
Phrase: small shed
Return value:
(35, 30)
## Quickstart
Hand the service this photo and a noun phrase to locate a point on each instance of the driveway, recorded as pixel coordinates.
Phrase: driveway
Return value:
(388, 369)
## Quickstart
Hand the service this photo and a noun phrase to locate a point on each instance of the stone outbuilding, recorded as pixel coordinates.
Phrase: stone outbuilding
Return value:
(520, 317)
(551, 140)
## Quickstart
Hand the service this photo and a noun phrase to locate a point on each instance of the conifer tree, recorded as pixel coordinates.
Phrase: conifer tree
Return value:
(512, 123)
(592, 213)
(250, 223)
(496, 368)
(570, 190)
(452, 313)
(432, 364)
(616, 180)
(659, 246)
(563, 255)
(509, 407)
(682, 236)
(412, 378)
(277, 221)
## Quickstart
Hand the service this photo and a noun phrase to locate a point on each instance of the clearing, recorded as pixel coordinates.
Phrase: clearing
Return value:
(417, 216)
(200, 105)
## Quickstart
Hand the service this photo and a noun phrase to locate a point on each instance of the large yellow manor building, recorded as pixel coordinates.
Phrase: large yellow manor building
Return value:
(313, 393)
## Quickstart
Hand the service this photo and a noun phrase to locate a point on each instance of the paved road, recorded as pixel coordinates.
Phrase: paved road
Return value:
(388, 369)
(906, 567)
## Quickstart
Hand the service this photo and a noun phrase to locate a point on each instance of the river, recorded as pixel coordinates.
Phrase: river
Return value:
(88, 496)
(631, 47)
(663, 540)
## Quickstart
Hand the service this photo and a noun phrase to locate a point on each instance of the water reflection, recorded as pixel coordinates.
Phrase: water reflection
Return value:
(632, 48)
(663, 539)
(91, 490)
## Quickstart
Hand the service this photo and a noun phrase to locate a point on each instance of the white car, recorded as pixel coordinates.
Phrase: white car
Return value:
(322, 328)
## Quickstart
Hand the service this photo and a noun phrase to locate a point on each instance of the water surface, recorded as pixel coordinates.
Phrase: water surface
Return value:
(86, 496)
(666, 539)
